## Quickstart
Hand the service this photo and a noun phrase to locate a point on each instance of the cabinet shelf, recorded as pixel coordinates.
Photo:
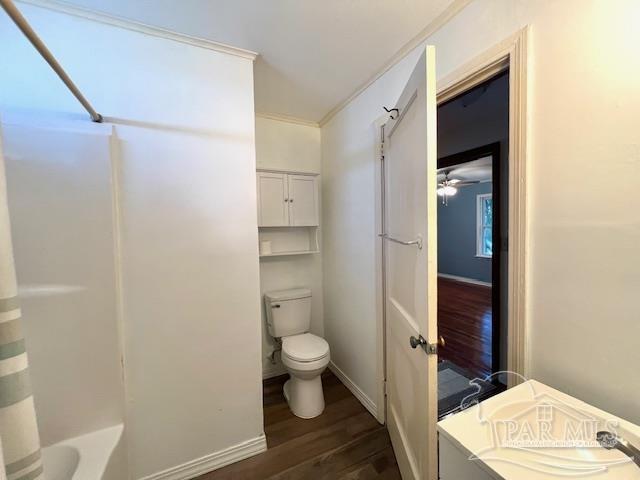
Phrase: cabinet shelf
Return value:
(290, 240)
(284, 254)
(292, 227)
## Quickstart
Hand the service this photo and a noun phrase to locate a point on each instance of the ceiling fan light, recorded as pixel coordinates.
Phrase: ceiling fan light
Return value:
(449, 191)
(446, 191)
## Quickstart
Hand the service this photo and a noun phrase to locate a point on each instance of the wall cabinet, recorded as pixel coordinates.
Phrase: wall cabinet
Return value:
(287, 200)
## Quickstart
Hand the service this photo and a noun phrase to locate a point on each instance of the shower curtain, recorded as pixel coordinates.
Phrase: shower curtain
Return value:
(19, 437)
(3, 472)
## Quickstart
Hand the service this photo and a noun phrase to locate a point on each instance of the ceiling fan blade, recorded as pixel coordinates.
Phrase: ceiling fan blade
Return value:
(467, 182)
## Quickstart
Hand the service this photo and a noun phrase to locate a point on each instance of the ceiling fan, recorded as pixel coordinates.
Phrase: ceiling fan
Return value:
(448, 187)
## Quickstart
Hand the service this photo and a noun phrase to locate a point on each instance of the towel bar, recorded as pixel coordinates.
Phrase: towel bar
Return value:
(417, 241)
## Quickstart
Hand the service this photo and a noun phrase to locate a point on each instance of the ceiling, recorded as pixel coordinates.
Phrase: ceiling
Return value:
(313, 54)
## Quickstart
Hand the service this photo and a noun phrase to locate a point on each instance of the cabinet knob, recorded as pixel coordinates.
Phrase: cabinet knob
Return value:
(291, 200)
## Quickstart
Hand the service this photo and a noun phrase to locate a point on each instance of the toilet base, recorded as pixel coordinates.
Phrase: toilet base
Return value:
(305, 397)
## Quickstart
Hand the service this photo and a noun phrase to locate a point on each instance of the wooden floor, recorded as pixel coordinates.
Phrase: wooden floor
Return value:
(465, 322)
(344, 443)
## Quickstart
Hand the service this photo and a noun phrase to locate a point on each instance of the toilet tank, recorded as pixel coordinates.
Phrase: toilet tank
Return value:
(288, 312)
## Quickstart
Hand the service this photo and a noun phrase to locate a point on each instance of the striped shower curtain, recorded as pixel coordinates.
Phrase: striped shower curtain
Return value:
(19, 439)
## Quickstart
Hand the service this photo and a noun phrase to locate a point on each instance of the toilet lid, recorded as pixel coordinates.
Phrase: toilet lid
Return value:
(305, 348)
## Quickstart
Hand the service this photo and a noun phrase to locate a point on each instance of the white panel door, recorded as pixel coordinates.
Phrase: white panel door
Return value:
(273, 200)
(303, 200)
(411, 273)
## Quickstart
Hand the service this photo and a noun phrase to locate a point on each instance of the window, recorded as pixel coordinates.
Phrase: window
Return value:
(484, 233)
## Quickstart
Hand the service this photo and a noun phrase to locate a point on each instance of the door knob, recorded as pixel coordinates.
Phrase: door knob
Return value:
(429, 348)
(417, 342)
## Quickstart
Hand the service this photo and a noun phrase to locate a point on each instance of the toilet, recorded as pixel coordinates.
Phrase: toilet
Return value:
(304, 355)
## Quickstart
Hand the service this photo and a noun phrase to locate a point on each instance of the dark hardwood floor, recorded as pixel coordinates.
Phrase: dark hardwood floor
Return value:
(344, 443)
(465, 322)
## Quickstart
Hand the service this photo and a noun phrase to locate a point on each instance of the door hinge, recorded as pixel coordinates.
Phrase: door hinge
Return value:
(384, 388)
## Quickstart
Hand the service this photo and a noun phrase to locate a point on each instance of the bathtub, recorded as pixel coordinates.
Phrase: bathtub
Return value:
(97, 455)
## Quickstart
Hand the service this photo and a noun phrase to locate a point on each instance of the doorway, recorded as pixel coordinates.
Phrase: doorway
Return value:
(472, 239)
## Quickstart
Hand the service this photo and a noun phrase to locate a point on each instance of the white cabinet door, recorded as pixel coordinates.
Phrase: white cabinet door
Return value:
(273, 200)
(303, 200)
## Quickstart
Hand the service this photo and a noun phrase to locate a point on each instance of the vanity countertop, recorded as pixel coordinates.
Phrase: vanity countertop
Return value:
(534, 432)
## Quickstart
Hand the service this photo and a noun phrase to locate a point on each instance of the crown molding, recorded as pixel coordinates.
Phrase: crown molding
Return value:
(104, 18)
(450, 12)
(287, 119)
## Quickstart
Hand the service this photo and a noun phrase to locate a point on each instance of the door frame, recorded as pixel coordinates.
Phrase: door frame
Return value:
(512, 54)
(380, 264)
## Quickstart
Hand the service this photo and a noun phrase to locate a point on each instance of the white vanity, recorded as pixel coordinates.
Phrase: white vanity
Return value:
(533, 432)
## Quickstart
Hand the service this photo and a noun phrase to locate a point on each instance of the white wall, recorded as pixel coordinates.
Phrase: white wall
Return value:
(292, 147)
(284, 145)
(349, 228)
(584, 174)
(184, 120)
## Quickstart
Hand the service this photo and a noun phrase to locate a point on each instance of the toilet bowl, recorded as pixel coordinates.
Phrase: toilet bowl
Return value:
(305, 357)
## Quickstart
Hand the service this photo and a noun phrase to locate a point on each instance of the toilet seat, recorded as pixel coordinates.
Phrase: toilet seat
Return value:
(305, 348)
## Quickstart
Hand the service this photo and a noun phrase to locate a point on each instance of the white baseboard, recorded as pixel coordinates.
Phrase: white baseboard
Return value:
(213, 461)
(465, 279)
(357, 392)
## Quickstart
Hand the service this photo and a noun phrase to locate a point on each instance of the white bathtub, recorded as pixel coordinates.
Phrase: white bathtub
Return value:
(95, 456)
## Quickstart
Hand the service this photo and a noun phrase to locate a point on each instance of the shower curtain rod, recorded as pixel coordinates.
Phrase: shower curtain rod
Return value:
(32, 36)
